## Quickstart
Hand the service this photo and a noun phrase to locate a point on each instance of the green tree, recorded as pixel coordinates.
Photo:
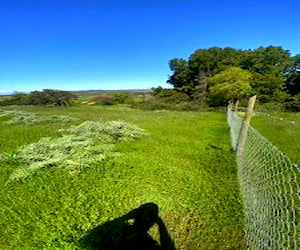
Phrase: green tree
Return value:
(51, 97)
(122, 97)
(191, 76)
(273, 71)
(269, 66)
(15, 99)
(181, 73)
(292, 103)
(267, 86)
(230, 84)
(268, 60)
(169, 95)
(208, 62)
(293, 76)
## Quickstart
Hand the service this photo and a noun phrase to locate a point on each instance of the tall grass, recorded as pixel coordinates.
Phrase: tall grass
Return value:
(184, 165)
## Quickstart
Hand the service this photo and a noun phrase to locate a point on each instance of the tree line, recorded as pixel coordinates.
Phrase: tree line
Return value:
(44, 97)
(217, 75)
(208, 77)
(54, 97)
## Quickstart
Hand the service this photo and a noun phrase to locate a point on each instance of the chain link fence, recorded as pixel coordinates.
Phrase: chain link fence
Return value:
(269, 184)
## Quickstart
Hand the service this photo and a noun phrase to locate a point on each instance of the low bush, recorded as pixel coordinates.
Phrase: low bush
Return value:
(103, 99)
(269, 107)
(51, 97)
(293, 103)
(152, 105)
(159, 104)
(14, 99)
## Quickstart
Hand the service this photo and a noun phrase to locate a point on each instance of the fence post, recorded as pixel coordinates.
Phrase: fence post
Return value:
(236, 106)
(230, 105)
(245, 125)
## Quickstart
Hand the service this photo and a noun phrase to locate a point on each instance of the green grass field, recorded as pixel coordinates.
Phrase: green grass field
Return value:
(283, 130)
(185, 165)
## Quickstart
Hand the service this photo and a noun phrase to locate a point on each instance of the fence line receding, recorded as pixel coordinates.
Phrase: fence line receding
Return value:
(269, 184)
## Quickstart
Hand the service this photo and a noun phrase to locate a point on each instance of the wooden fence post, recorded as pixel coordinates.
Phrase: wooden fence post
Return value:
(236, 106)
(230, 105)
(245, 125)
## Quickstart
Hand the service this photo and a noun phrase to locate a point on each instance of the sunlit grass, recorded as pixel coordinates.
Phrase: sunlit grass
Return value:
(283, 130)
(185, 165)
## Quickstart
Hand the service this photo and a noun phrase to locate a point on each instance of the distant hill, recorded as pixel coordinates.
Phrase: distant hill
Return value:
(95, 92)
(115, 90)
(92, 91)
(5, 93)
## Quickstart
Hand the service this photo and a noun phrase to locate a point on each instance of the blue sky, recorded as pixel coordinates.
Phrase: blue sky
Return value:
(107, 44)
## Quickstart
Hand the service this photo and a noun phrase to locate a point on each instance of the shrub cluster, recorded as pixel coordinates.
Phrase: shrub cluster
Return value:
(51, 97)
(45, 97)
(15, 99)
(79, 146)
(293, 103)
(103, 99)
(168, 99)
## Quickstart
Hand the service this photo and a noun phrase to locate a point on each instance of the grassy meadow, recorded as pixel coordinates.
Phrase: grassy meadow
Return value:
(184, 165)
(282, 129)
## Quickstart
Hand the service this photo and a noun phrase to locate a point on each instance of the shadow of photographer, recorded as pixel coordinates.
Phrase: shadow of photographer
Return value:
(130, 231)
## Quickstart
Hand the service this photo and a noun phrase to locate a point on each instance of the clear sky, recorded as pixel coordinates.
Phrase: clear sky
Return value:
(120, 44)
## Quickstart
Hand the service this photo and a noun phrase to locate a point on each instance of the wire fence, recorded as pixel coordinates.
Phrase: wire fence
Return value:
(270, 189)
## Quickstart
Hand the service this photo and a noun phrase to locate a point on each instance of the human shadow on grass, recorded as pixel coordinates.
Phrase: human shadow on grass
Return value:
(130, 231)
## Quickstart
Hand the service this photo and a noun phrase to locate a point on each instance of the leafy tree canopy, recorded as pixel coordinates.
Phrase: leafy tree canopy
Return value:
(51, 97)
(182, 73)
(293, 76)
(272, 69)
(230, 84)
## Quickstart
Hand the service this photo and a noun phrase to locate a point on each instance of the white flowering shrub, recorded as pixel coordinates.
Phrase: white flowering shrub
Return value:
(79, 146)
